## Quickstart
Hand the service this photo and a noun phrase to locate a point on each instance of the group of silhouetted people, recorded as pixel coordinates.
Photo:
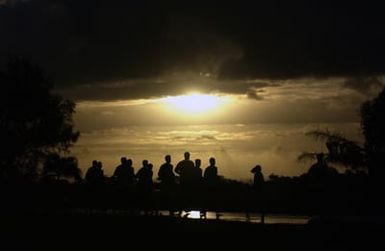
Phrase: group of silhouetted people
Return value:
(186, 186)
(188, 174)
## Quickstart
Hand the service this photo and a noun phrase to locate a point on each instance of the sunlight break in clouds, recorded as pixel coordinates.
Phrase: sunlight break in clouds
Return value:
(195, 103)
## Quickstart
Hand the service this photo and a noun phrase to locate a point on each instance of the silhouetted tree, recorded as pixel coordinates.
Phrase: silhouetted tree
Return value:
(341, 151)
(351, 154)
(34, 123)
(58, 167)
(373, 124)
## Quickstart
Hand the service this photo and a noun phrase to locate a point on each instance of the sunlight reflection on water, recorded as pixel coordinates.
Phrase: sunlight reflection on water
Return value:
(243, 217)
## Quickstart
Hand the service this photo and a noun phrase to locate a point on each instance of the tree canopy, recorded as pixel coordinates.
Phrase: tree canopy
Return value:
(340, 150)
(34, 122)
(353, 155)
(373, 127)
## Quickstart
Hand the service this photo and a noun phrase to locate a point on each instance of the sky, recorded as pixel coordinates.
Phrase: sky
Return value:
(274, 69)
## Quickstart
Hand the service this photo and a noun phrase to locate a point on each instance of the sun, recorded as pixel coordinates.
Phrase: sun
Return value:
(195, 103)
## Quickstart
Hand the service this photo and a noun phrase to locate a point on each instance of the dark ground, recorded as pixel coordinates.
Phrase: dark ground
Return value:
(165, 233)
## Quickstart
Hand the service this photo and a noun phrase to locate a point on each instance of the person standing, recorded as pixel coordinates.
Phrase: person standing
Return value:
(185, 169)
(166, 175)
(258, 186)
(210, 178)
(211, 173)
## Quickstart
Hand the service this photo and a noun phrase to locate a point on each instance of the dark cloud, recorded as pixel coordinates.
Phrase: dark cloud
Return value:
(88, 41)
(199, 138)
(206, 137)
(363, 84)
(155, 88)
(94, 41)
(255, 94)
(11, 2)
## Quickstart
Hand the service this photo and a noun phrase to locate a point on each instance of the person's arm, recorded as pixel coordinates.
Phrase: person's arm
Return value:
(87, 176)
(138, 173)
(172, 170)
(177, 168)
(160, 173)
(116, 172)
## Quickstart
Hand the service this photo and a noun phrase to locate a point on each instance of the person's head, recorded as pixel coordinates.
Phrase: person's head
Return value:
(197, 163)
(94, 163)
(145, 162)
(123, 160)
(212, 161)
(129, 162)
(99, 165)
(168, 158)
(150, 166)
(256, 169)
(186, 155)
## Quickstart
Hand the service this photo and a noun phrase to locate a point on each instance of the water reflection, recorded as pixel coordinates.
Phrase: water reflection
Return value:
(242, 217)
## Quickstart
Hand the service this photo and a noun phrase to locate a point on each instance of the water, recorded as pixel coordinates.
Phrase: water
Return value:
(243, 217)
(210, 215)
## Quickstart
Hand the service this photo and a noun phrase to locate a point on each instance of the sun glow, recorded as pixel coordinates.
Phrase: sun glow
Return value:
(195, 103)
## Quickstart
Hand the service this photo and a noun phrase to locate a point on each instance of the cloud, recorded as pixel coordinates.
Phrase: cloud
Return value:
(98, 43)
(274, 146)
(255, 94)
(364, 84)
(102, 41)
(306, 101)
(166, 85)
(12, 2)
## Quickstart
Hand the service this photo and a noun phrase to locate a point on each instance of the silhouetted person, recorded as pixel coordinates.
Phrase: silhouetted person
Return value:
(320, 173)
(91, 170)
(145, 185)
(166, 174)
(95, 182)
(95, 174)
(123, 180)
(259, 180)
(124, 173)
(185, 169)
(210, 178)
(144, 176)
(258, 186)
(197, 173)
(196, 186)
(167, 185)
(100, 173)
(211, 173)
(321, 183)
